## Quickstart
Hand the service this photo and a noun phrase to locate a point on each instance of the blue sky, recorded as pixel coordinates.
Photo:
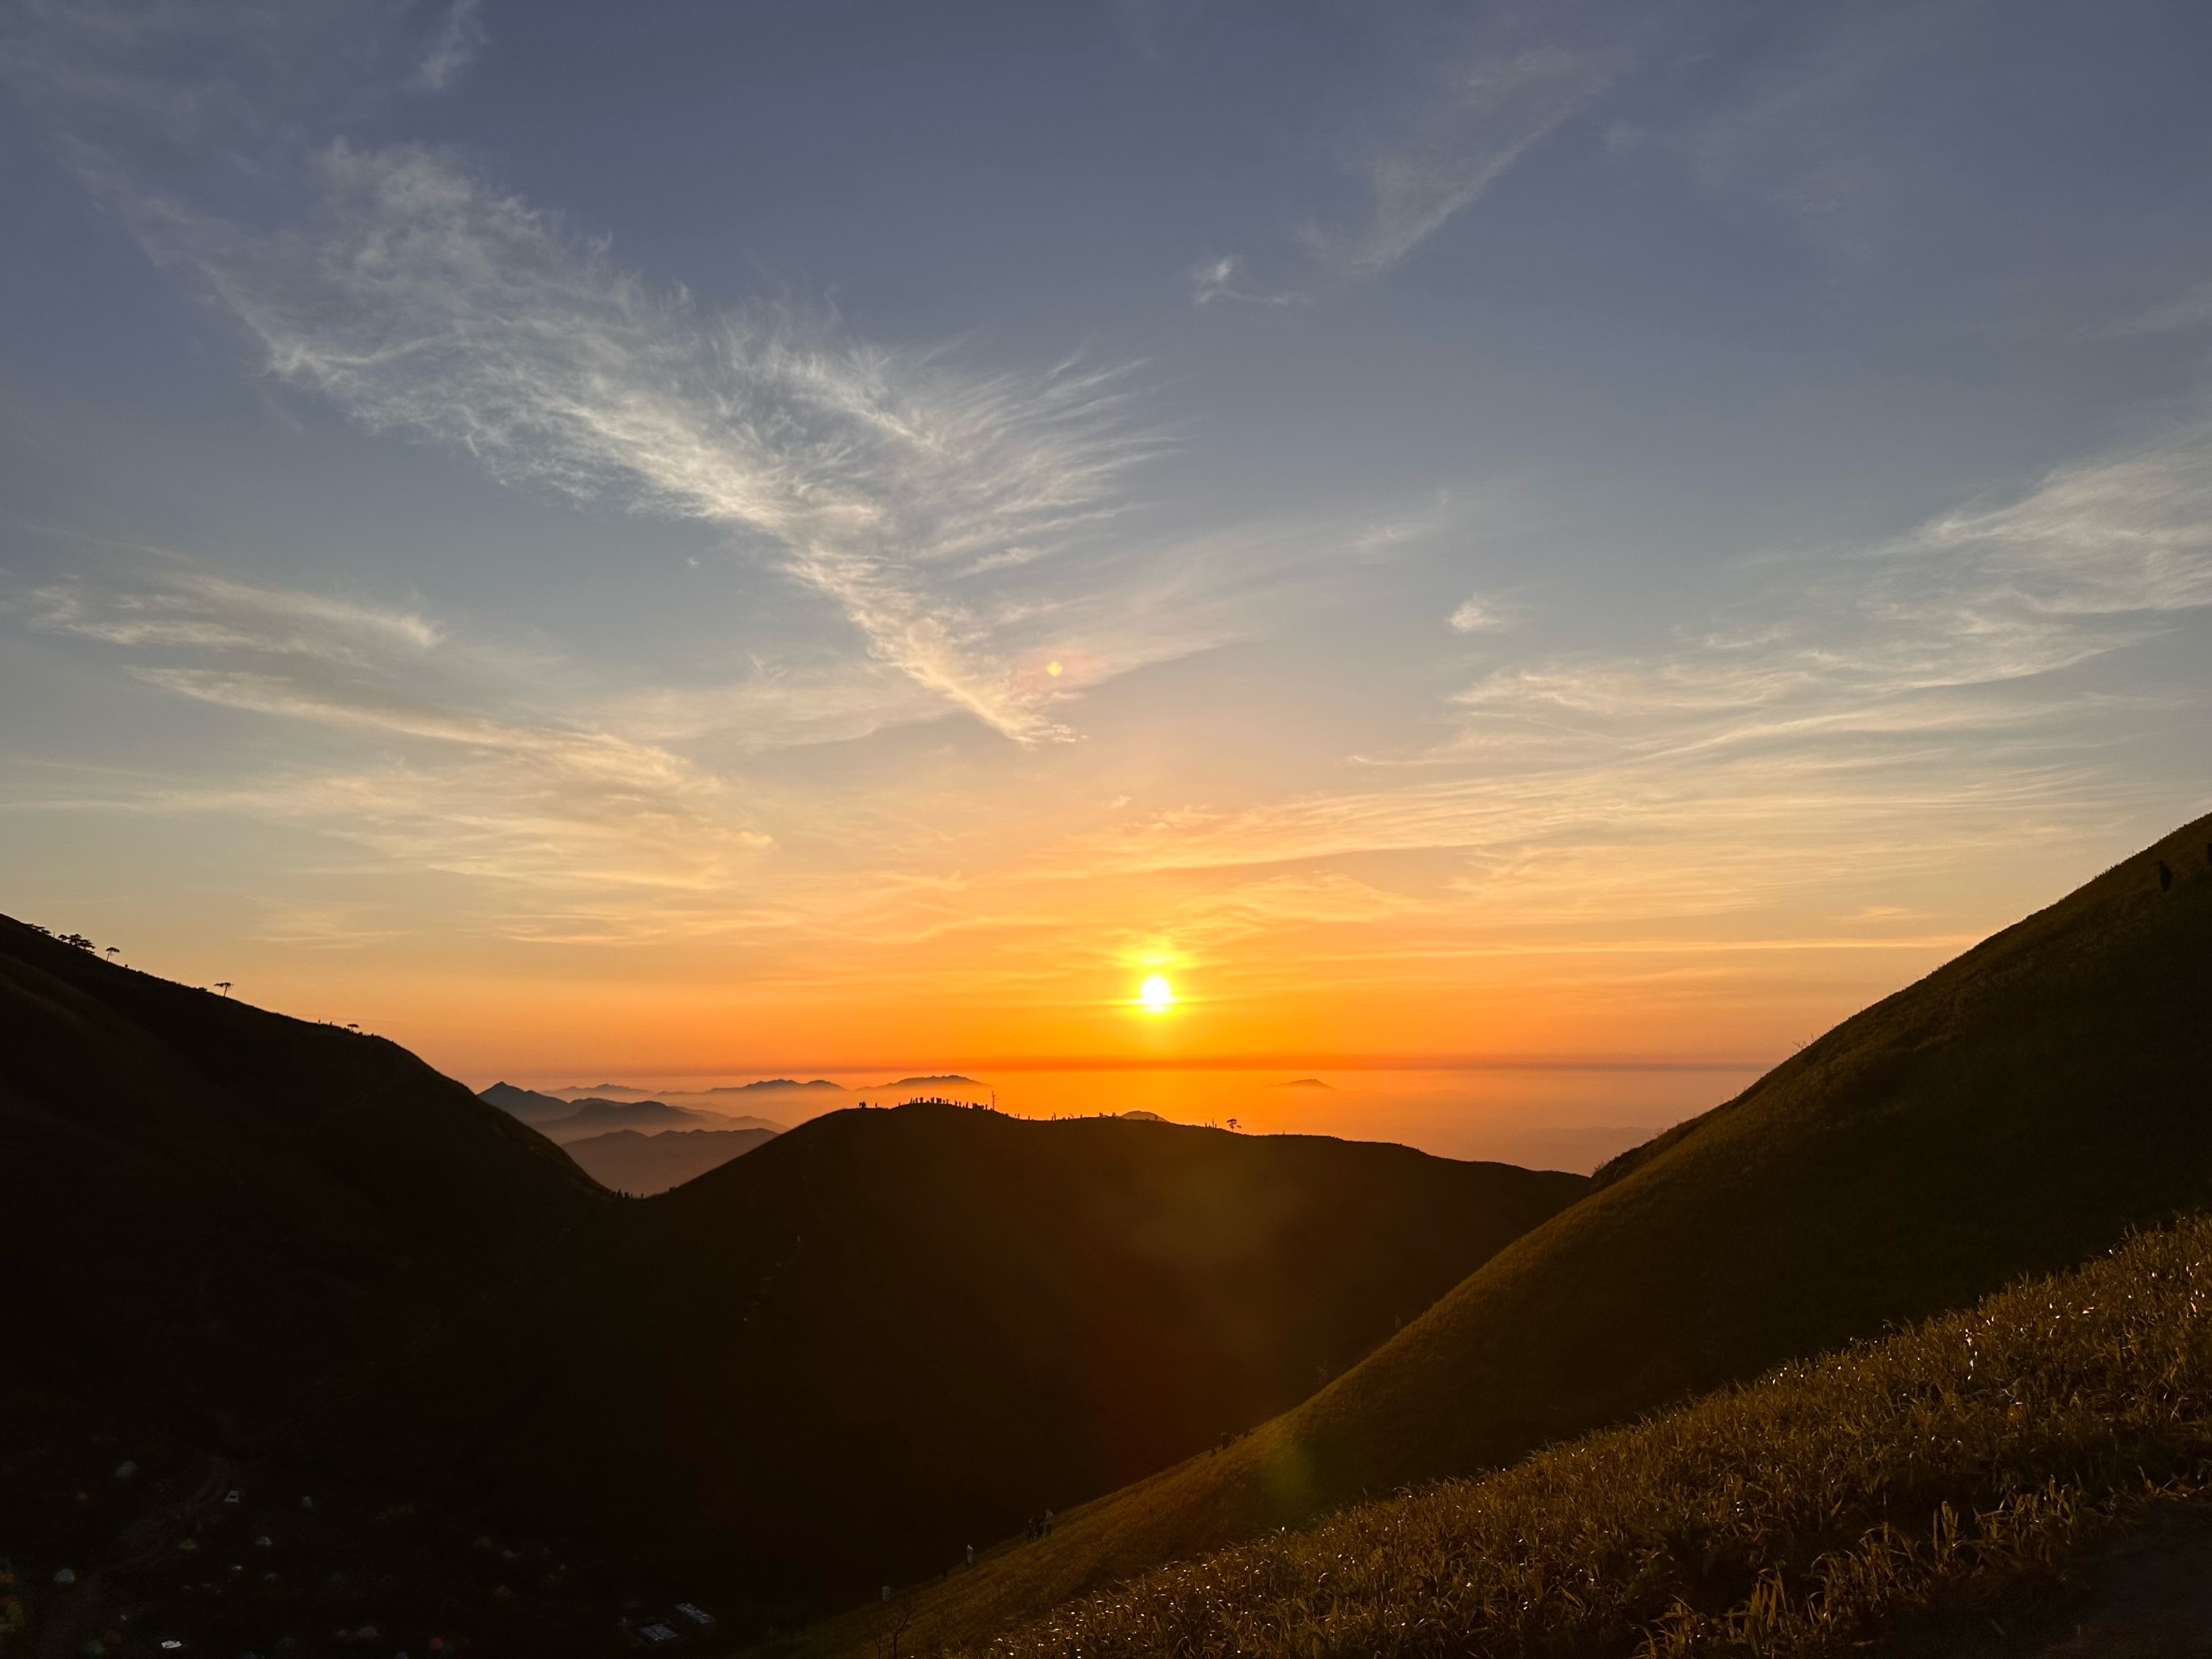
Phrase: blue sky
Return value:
(715, 533)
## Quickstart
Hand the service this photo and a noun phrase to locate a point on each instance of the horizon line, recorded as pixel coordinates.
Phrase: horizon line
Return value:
(1217, 1063)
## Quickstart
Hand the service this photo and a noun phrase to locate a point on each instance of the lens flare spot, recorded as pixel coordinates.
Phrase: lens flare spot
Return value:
(1055, 669)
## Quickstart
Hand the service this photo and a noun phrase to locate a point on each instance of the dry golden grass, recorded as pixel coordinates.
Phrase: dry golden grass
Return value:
(1792, 1515)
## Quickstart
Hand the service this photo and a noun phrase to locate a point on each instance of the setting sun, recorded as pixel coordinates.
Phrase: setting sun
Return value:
(1156, 994)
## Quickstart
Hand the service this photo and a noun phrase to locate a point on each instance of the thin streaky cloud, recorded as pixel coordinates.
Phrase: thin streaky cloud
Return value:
(452, 765)
(422, 299)
(1487, 111)
(1884, 708)
(427, 302)
(178, 605)
(1221, 282)
(459, 39)
(1476, 615)
(2191, 308)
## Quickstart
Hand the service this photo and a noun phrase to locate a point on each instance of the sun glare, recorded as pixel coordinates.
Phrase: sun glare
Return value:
(1156, 994)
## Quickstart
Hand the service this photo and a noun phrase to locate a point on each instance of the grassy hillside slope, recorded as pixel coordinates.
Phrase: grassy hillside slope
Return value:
(208, 1212)
(886, 1334)
(1798, 1516)
(2014, 1112)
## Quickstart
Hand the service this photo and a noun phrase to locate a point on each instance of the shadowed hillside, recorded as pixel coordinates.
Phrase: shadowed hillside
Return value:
(886, 1334)
(209, 1214)
(2014, 1111)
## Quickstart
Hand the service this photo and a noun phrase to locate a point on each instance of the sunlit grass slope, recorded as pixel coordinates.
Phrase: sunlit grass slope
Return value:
(1793, 1515)
(2014, 1112)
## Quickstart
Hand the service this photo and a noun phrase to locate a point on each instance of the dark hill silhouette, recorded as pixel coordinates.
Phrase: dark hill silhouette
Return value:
(890, 1333)
(832, 1360)
(628, 1161)
(528, 1104)
(212, 1215)
(2014, 1112)
(780, 1086)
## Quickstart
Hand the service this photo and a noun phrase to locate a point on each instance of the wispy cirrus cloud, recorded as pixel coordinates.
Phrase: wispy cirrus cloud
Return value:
(423, 301)
(2191, 308)
(1887, 707)
(1274, 904)
(1481, 112)
(460, 37)
(1478, 614)
(1449, 109)
(451, 765)
(2096, 556)
(1224, 281)
(398, 281)
(179, 605)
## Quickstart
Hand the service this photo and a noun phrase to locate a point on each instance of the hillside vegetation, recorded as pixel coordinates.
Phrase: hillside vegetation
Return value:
(1797, 1515)
(2015, 1111)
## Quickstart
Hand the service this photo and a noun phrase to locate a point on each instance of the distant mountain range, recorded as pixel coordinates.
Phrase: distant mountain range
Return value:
(593, 1117)
(528, 1104)
(774, 1085)
(767, 1085)
(568, 1120)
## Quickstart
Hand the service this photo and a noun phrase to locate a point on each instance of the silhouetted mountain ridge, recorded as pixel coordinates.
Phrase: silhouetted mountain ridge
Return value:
(528, 1104)
(953, 1318)
(211, 1213)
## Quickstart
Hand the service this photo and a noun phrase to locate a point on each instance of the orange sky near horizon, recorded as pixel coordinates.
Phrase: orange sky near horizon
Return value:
(1443, 982)
(821, 572)
(1014, 942)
